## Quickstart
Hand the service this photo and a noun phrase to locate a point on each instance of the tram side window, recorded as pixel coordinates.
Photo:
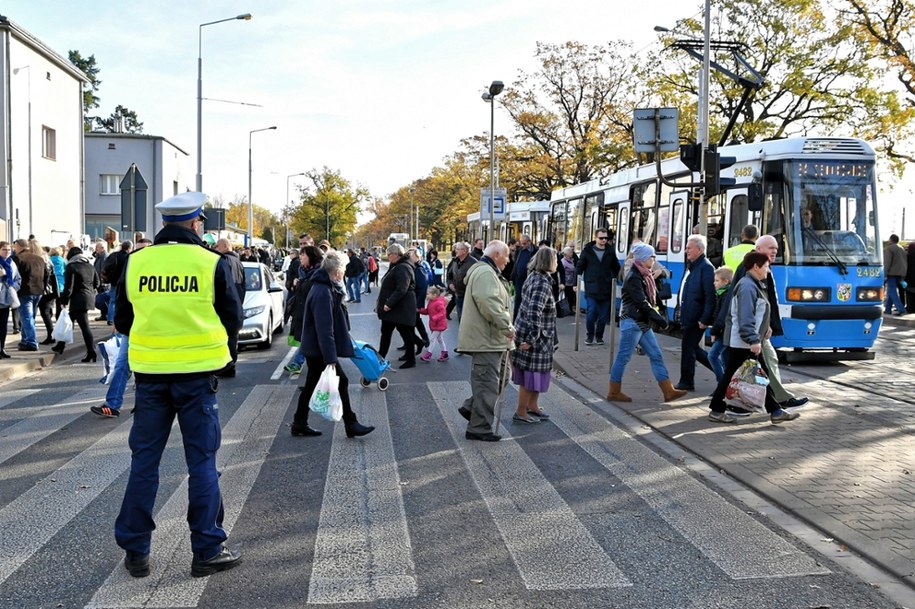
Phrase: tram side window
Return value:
(740, 217)
(663, 230)
(622, 235)
(676, 237)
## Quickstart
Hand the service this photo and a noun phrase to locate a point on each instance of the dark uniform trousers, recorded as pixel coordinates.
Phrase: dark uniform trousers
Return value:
(194, 402)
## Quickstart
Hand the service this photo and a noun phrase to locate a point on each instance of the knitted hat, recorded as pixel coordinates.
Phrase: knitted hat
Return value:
(642, 252)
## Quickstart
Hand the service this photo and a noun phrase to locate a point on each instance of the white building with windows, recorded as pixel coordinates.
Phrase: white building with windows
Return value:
(41, 140)
(162, 164)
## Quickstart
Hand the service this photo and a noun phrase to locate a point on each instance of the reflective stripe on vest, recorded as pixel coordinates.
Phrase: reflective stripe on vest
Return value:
(175, 329)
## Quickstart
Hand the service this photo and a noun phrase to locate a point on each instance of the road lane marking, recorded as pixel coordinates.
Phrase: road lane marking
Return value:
(279, 369)
(246, 441)
(42, 421)
(739, 545)
(520, 500)
(363, 551)
(14, 395)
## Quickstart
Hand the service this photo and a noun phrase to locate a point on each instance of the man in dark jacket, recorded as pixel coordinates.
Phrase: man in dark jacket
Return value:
(353, 273)
(459, 266)
(599, 268)
(111, 273)
(35, 274)
(697, 308)
(523, 254)
(422, 285)
(98, 261)
(238, 278)
(396, 306)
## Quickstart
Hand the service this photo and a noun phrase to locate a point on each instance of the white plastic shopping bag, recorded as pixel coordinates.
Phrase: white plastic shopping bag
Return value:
(109, 349)
(63, 329)
(326, 399)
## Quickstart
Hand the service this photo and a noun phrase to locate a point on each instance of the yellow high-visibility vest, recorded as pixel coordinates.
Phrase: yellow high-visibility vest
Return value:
(733, 256)
(175, 329)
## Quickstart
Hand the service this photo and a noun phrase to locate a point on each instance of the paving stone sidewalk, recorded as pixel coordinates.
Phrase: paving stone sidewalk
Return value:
(846, 466)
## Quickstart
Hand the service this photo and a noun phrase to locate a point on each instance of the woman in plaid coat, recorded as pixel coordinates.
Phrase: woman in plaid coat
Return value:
(535, 337)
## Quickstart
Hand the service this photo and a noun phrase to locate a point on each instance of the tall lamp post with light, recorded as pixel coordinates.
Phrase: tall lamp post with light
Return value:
(290, 203)
(245, 17)
(250, 202)
(490, 97)
(411, 230)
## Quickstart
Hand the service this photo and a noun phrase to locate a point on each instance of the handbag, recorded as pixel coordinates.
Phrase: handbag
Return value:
(326, 398)
(63, 329)
(563, 308)
(14, 298)
(747, 387)
(663, 288)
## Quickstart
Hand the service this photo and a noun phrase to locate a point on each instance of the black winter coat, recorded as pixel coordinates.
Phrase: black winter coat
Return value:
(325, 325)
(598, 274)
(635, 304)
(398, 292)
(81, 283)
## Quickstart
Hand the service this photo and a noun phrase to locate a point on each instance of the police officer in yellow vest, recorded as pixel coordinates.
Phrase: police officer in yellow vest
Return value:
(177, 302)
(733, 256)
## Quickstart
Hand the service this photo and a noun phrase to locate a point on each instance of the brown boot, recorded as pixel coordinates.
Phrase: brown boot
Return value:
(616, 395)
(671, 394)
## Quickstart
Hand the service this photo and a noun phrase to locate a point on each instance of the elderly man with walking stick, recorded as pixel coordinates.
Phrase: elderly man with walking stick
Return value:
(487, 334)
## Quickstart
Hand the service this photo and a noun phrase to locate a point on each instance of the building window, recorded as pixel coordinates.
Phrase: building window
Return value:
(48, 143)
(110, 184)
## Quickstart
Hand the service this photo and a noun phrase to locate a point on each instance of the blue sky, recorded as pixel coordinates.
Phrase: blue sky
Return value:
(381, 90)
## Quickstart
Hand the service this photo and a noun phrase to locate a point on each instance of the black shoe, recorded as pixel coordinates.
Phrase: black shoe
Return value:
(105, 411)
(464, 412)
(227, 373)
(482, 437)
(685, 387)
(90, 357)
(304, 430)
(4, 354)
(59, 348)
(794, 402)
(420, 345)
(48, 341)
(358, 429)
(402, 348)
(408, 364)
(137, 566)
(225, 559)
(402, 358)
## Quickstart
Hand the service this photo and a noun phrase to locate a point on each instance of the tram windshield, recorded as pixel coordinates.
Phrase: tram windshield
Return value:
(831, 217)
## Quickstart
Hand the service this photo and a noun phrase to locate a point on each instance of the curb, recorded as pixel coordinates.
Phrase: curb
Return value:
(19, 369)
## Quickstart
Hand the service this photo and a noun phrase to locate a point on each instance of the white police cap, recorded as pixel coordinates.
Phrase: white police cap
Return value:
(186, 206)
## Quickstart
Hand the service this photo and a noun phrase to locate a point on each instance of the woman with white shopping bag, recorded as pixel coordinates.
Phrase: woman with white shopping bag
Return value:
(325, 339)
(81, 282)
(747, 325)
(10, 281)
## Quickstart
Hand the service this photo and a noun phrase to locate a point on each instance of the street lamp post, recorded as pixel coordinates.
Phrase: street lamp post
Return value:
(410, 230)
(250, 202)
(290, 203)
(490, 96)
(245, 17)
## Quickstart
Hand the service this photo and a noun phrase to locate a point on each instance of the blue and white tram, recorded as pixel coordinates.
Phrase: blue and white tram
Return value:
(522, 217)
(829, 270)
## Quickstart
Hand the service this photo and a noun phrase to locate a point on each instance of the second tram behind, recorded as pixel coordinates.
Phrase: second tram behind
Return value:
(522, 218)
(816, 196)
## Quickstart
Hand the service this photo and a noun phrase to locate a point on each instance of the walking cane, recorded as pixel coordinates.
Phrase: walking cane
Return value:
(503, 380)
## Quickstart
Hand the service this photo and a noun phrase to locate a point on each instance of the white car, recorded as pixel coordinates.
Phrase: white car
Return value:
(265, 300)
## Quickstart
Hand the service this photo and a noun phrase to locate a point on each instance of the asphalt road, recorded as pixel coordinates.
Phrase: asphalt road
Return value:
(575, 513)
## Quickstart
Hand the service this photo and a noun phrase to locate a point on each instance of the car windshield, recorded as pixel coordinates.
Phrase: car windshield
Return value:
(253, 280)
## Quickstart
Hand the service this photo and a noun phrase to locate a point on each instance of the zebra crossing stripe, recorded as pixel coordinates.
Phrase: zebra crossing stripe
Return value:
(738, 544)
(38, 423)
(59, 497)
(246, 441)
(520, 500)
(362, 550)
(14, 395)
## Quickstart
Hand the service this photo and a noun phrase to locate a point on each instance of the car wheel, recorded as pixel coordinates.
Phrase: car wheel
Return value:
(268, 341)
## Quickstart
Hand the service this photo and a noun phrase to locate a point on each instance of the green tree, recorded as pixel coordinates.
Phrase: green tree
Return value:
(131, 123)
(90, 99)
(237, 214)
(328, 206)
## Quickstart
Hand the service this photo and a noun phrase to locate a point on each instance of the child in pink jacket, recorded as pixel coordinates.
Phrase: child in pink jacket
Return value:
(438, 323)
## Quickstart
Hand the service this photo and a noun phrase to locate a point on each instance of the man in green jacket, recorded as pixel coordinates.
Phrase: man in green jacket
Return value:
(487, 334)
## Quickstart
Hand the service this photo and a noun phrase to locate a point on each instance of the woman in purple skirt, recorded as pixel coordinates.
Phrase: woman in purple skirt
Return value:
(535, 337)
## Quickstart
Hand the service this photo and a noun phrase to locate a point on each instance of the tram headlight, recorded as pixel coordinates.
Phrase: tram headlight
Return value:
(809, 294)
(872, 294)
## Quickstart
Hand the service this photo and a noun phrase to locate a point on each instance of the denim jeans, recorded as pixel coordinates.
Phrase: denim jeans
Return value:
(598, 314)
(364, 281)
(630, 336)
(892, 295)
(28, 308)
(114, 398)
(352, 288)
(299, 358)
(459, 303)
(112, 296)
(717, 357)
